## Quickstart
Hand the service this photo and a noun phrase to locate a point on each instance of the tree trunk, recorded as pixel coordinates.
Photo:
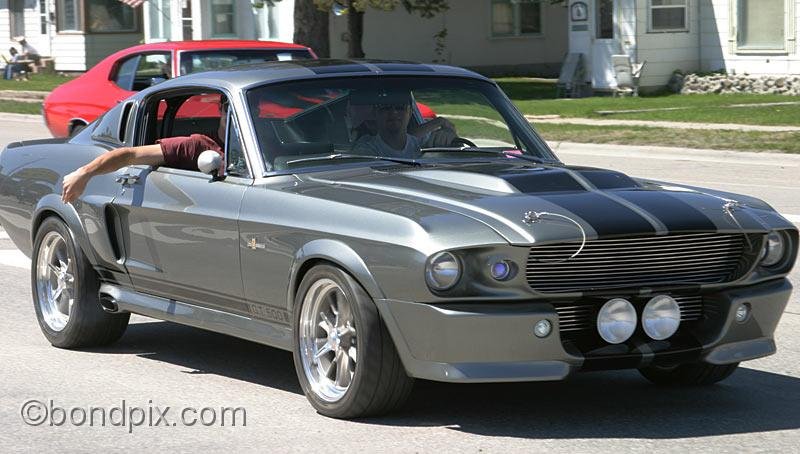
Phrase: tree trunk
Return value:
(355, 31)
(311, 27)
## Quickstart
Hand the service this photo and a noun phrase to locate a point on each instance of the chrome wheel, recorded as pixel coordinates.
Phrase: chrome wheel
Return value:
(328, 348)
(55, 281)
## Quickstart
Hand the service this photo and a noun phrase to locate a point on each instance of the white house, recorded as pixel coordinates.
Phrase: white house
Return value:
(166, 20)
(79, 33)
(758, 37)
(494, 36)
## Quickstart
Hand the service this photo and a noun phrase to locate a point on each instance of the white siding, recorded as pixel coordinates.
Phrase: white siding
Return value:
(717, 49)
(399, 35)
(70, 52)
(33, 34)
(666, 52)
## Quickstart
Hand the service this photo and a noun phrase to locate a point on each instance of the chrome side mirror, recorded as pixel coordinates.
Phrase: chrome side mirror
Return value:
(209, 162)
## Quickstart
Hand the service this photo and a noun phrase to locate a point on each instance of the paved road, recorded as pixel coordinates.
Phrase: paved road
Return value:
(159, 364)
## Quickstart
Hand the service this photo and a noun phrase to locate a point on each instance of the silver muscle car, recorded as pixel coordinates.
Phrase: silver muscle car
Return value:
(381, 244)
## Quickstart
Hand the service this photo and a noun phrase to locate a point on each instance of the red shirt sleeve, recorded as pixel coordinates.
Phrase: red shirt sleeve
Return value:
(182, 152)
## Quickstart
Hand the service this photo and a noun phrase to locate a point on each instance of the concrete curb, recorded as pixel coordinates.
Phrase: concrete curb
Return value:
(24, 94)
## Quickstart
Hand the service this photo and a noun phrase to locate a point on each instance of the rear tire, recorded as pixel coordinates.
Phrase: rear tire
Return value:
(65, 292)
(356, 371)
(697, 374)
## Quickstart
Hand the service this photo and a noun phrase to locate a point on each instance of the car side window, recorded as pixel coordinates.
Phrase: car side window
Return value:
(126, 72)
(237, 164)
(143, 70)
(151, 70)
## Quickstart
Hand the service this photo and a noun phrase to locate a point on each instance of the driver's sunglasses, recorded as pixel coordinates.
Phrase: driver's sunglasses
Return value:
(391, 107)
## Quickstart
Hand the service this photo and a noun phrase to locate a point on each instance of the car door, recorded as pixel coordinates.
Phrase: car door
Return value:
(179, 226)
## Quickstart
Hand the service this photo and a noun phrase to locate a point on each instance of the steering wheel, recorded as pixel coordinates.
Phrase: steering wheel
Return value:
(460, 141)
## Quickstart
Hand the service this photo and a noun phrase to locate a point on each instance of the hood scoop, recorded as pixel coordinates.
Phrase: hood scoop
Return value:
(539, 180)
(469, 181)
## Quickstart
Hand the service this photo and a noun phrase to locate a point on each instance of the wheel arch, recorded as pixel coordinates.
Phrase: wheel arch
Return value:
(74, 123)
(332, 252)
(51, 205)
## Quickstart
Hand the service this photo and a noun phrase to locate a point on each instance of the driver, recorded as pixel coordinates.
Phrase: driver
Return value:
(391, 137)
(174, 152)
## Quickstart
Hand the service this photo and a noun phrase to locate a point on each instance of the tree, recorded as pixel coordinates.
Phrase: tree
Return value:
(354, 9)
(311, 27)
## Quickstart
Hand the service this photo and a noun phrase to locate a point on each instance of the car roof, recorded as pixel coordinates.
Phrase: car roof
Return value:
(239, 77)
(214, 44)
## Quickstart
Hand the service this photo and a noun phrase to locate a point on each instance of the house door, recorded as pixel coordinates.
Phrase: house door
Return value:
(44, 37)
(606, 44)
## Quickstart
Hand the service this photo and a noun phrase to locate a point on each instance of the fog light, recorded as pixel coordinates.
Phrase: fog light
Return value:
(661, 317)
(542, 328)
(501, 270)
(616, 321)
(743, 312)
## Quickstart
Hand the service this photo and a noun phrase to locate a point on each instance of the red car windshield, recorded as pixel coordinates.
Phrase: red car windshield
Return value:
(207, 60)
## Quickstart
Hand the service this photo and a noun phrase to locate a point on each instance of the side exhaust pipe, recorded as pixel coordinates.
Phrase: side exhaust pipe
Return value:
(109, 303)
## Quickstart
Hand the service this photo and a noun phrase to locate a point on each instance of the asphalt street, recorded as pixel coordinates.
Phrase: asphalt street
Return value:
(158, 364)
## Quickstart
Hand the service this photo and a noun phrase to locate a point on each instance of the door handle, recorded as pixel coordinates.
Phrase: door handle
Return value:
(127, 179)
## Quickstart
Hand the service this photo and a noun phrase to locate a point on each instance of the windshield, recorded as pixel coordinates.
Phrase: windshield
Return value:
(207, 60)
(308, 122)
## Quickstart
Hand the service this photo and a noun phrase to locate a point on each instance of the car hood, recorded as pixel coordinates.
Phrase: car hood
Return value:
(534, 203)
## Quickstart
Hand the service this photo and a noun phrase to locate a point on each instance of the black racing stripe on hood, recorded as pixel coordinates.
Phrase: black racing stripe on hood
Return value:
(608, 179)
(606, 216)
(674, 213)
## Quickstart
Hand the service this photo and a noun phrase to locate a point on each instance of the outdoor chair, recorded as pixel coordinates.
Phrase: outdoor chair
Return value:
(627, 75)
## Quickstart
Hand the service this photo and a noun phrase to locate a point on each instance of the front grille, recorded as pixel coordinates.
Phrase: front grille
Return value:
(701, 258)
(580, 317)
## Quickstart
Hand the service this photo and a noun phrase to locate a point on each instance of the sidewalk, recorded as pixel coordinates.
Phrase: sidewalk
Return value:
(763, 158)
(659, 124)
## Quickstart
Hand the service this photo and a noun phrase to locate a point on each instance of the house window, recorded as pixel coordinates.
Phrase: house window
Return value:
(160, 19)
(516, 17)
(761, 24)
(105, 16)
(222, 18)
(43, 13)
(68, 18)
(668, 15)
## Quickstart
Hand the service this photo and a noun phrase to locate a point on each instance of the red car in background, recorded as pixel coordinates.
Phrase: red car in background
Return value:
(77, 103)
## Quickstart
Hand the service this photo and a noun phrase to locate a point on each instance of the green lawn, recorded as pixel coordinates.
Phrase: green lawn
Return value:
(37, 82)
(20, 107)
(535, 97)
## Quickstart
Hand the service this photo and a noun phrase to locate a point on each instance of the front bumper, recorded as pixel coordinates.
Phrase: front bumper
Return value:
(494, 342)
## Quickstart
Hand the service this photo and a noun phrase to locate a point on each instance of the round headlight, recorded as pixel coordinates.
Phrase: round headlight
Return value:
(443, 271)
(661, 317)
(774, 249)
(616, 321)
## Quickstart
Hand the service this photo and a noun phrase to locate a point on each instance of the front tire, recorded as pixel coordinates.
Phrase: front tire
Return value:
(345, 359)
(65, 292)
(693, 374)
